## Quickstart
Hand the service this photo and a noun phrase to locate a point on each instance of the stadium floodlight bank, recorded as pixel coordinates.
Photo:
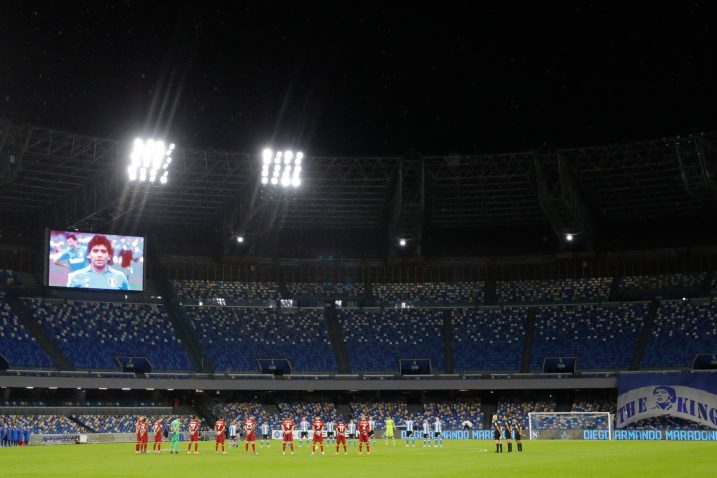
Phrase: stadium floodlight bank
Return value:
(150, 161)
(281, 168)
(570, 425)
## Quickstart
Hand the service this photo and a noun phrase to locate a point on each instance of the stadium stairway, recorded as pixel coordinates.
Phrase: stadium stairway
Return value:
(202, 408)
(283, 290)
(415, 409)
(55, 353)
(707, 284)
(491, 292)
(529, 326)
(614, 287)
(563, 404)
(448, 336)
(82, 425)
(344, 410)
(182, 325)
(338, 345)
(489, 408)
(272, 409)
(645, 333)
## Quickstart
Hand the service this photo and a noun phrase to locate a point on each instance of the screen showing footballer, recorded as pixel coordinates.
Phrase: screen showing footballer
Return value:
(90, 260)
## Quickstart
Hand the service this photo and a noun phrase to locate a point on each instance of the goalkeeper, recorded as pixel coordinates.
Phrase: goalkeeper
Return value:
(390, 426)
(175, 426)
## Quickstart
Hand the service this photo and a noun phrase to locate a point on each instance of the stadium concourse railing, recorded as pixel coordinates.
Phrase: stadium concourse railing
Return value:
(48, 379)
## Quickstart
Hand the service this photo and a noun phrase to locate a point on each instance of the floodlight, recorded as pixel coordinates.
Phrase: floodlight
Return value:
(240, 239)
(402, 242)
(286, 170)
(149, 158)
(569, 237)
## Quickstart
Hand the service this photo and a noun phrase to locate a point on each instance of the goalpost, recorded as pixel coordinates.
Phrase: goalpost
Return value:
(570, 425)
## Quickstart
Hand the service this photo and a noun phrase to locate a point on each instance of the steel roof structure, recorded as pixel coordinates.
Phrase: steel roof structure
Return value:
(75, 180)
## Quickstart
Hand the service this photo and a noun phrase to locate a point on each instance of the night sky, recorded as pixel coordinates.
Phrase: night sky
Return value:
(340, 78)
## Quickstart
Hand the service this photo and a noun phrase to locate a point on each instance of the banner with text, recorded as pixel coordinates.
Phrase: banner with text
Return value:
(691, 397)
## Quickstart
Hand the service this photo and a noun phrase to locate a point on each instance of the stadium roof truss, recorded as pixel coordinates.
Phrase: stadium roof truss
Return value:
(74, 180)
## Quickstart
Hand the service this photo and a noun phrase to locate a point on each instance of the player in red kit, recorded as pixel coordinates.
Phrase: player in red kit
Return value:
(138, 443)
(158, 429)
(250, 429)
(194, 436)
(364, 427)
(318, 427)
(141, 430)
(287, 427)
(341, 429)
(220, 427)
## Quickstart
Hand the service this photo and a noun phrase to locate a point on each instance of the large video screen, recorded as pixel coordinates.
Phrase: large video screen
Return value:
(89, 260)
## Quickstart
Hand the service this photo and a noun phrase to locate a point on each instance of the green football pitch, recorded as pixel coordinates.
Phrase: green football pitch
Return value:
(550, 459)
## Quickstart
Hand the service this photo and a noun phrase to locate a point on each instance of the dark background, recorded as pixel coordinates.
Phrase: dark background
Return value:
(368, 78)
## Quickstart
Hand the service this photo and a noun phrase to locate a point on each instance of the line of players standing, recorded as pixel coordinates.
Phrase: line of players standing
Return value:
(11, 435)
(508, 430)
(364, 430)
(340, 432)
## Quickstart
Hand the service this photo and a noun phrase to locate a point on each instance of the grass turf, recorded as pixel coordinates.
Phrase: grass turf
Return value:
(548, 459)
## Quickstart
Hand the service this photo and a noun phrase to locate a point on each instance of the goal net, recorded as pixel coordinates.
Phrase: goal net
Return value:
(570, 426)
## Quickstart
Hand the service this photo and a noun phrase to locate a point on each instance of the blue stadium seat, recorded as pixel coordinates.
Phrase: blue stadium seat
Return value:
(600, 336)
(230, 291)
(440, 293)
(43, 424)
(234, 337)
(297, 410)
(378, 339)
(91, 334)
(327, 290)
(682, 329)
(17, 345)
(126, 423)
(490, 338)
(558, 290)
(519, 409)
(663, 281)
(240, 411)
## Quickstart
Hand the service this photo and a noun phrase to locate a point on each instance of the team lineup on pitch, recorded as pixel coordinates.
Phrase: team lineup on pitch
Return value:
(340, 434)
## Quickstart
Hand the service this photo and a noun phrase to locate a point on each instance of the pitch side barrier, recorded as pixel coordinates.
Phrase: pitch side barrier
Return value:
(93, 438)
(645, 435)
(653, 435)
(418, 434)
(481, 434)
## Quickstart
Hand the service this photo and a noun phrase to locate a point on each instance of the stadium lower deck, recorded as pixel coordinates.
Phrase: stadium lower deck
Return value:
(463, 332)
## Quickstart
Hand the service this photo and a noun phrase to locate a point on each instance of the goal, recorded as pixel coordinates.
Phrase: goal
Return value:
(570, 426)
